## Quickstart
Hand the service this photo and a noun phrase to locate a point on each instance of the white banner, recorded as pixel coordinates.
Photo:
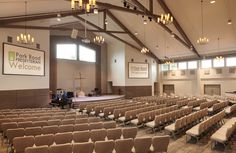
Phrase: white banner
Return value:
(138, 70)
(19, 60)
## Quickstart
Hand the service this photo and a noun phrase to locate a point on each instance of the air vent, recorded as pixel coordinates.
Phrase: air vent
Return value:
(232, 70)
(206, 72)
(218, 71)
(192, 72)
(182, 73)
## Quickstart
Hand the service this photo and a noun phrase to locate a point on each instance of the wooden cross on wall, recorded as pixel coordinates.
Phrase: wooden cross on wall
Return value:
(80, 81)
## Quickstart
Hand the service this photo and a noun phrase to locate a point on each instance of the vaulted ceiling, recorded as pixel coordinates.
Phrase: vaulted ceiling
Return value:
(186, 13)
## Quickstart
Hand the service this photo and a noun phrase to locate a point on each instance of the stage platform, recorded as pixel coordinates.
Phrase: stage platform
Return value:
(96, 98)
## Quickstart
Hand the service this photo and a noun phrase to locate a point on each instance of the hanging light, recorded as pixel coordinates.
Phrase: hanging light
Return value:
(99, 39)
(165, 19)
(83, 5)
(58, 17)
(25, 38)
(202, 40)
(85, 39)
(229, 22)
(144, 50)
(219, 57)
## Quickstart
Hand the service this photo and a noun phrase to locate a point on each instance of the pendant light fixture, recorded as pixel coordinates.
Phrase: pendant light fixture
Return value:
(218, 47)
(166, 59)
(84, 5)
(144, 49)
(98, 38)
(203, 40)
(25, 38)
(85, 39)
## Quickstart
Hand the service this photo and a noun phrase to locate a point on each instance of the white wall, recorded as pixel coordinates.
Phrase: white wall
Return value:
(14, 82)
(194, 84)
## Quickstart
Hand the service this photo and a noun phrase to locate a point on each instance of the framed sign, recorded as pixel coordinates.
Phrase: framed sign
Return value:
(138, 70)
(19, 60)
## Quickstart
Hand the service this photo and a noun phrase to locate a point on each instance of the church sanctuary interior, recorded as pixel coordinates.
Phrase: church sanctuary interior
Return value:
(118, 76)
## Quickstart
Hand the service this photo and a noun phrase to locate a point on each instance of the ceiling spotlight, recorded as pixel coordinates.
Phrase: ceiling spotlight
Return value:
(125, 4)
(95, 10)
(229, 22)
(212, 1)
(135, 8)
(106, 22)
(150, 19)
(172, 35)
(135, 33)
(58, 17)
(144, 21)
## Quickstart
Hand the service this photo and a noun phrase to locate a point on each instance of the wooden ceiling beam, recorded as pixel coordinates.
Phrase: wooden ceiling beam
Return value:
(177, 26)
(108, 33)
(139, 42)
(57, 28)
(151, 6)
(164, 26)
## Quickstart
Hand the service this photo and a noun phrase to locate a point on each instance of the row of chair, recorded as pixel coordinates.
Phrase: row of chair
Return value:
(224, 134)
(15, 132)
(230, 109)
(183, 102)
(78, 136)
(163, 119)
(205, 105)
(132, 114)
(32, 111)
(28, 109)
(186, 122)
(137, 145)
(46, 121)
(204, 126)
(217, 107)
(150, 115)
(196, 103)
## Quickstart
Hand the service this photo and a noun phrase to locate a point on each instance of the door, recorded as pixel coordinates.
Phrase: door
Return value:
(156, 88)
(212, 89)
(168, 89)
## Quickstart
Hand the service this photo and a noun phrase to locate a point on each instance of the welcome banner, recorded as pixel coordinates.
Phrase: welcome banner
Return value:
(138, 70)
(23, 61)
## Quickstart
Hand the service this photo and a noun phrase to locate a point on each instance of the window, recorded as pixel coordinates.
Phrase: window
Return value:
(231, 61)
(183, 65)
(206, 64)
(192, 65)
(165, 67)
(86, 54)
(67, 51)
(219, 62)
(173, 66)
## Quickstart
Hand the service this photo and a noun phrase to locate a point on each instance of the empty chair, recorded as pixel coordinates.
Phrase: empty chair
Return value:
(104, 146)
(12, 133)
(114, 134)
(61, 138)
(25, 124)
(40, 123)
(41, 140)
(20, 143)
(68, 121)
(81, 127)
(6, 126)
(50, 129)
(86, 147)
(97, 125)
(62, 148)
(66, 128)
(40, 149)
(109, 125)
(93, 119)
(130, 132)
(44, 118)
(124, 145)
(160, 143)
(18, 120)
(81, 136)
(33, 131)
(54, 122)
(81, 120)
(98, 135)
(142, 145)
(58, 117)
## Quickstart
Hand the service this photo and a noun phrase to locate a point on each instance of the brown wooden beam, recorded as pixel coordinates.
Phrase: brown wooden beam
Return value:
(108, 33)
(151, 6)
(139, 42)
(104, 20)
(56, 28)
(177, 25)
(165, 27)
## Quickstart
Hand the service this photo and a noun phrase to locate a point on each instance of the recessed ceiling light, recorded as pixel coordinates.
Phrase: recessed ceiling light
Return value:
(212, 1)
(229, 22)
(144, 21)
(58, 17)
(136, 33)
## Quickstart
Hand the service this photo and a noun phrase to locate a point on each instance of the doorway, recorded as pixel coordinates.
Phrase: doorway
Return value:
(168, 89)
(212, 89)
(156, 88)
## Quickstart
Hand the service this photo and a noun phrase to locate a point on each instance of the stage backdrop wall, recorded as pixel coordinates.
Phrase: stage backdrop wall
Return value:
(25, 91)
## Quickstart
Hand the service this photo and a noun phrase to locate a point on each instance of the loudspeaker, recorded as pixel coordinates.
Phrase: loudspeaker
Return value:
(74, 33)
